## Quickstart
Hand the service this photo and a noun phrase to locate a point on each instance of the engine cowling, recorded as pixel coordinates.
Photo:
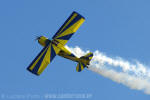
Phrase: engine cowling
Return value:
(43, 41)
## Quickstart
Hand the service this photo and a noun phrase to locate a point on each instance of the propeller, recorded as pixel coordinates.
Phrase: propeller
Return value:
(37, 38)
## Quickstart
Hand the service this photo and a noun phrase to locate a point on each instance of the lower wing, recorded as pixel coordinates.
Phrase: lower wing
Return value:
(43, 59)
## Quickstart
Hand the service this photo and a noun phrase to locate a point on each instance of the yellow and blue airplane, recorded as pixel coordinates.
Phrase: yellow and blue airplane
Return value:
(56, 46)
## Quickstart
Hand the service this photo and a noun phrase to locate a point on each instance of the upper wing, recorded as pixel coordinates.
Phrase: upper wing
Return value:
(70, 26)
(43, 59)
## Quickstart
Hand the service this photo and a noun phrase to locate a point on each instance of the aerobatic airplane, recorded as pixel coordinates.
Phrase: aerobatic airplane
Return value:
(56, 46)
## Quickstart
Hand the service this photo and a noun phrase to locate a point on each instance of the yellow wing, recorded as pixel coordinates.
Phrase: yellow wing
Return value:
(70, 26)
(43, 59)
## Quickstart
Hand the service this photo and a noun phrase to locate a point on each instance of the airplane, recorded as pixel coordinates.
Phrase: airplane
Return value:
(56, 46)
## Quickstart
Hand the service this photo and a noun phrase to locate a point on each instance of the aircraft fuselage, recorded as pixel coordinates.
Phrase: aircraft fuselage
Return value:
(65, 53)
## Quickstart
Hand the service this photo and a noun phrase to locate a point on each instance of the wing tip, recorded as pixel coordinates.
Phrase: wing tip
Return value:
(32, 72)
(78, 14)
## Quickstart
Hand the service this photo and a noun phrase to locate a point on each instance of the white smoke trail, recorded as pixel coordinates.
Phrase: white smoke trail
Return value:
(136, 76)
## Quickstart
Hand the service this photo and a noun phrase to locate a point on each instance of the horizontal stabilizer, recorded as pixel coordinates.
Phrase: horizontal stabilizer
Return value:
(84, 61)
(80, 67)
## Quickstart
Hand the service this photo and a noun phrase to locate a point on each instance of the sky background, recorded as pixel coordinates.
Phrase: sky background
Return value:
(115, 27)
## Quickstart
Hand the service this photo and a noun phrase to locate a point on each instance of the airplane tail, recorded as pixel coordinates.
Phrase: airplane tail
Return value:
(84, 61)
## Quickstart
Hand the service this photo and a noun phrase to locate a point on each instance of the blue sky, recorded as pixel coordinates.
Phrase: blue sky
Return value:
(115, 27)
